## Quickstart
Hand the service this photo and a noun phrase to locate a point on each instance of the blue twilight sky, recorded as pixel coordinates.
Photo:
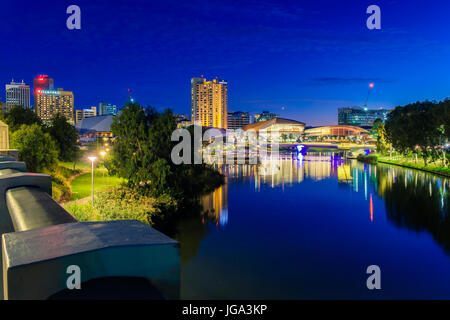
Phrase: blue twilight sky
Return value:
(302, 59)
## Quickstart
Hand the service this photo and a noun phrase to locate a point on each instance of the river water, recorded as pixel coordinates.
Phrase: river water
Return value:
(307, 227)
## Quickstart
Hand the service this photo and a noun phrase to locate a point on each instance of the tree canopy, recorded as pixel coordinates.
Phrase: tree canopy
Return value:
(36, 148)
(420, 127)
(141, 153)
(65, 137)
(17, 116)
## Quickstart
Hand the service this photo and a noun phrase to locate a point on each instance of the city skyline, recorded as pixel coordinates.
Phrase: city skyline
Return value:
(300, 60)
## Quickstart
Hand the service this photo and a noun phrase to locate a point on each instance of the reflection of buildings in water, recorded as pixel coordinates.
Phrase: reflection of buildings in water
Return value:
(215, 205)
(344, 173)
(279, 171)
(294, 170)
(401, 188)
(318, 167)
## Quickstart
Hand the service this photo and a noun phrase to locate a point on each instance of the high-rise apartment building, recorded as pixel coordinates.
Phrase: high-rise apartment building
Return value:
(361, 117)
(105, 108)
(85, 113)
(42, 82)
(50, 102)
(17, 94)
(238, 120)
(209, 101)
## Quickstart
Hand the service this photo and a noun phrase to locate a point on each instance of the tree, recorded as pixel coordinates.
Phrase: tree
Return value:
(36, 148)
(380, 129)
(420, 126)
(141, 153)
(17, 116)
(65, 136)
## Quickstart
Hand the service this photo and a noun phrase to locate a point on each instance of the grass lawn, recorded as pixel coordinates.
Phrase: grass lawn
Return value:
(434, 167)
(81, 186)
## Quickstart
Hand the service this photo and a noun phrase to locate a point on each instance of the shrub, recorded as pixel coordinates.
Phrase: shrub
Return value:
(36, 148)
(121, 203)
(371, 158)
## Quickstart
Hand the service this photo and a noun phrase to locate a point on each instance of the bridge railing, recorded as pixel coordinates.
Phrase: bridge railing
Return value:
(44, 248)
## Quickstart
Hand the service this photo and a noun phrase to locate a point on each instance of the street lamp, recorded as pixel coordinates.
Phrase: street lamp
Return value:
(92, 159)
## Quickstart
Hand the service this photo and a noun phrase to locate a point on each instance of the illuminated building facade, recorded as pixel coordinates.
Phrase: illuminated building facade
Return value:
(361, 117)
(85, 113)
(209, 102)
(339, 132)
(50, 102)
(42, 82)
(238, 120)
(17, 94)
(105, 108)
(264, 116)
(291, 129)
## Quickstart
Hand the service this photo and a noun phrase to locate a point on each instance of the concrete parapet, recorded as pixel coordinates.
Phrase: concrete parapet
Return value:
(35, 262)
(40, 240)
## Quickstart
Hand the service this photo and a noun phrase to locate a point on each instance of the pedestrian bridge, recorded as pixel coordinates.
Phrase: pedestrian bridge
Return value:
(344, 146)
(42, 246)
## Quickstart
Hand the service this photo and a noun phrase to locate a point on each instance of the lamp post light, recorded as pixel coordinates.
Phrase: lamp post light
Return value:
(92, 159)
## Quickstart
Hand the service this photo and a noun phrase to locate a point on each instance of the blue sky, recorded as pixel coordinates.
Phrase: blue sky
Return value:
(301, 59)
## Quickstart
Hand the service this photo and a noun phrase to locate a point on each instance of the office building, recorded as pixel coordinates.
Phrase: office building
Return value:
(238, 120)
(85, 113)
(17, 94)
(50, 102)
(209, 101)
(42, 82)
(105, 108)
(264, 116)
(361, 117)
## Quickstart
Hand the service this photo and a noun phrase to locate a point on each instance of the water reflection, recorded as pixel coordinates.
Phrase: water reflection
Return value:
(413, 199)
(308, 226)
(215, 205)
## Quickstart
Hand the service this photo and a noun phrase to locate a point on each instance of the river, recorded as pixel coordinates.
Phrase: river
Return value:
(307, 227)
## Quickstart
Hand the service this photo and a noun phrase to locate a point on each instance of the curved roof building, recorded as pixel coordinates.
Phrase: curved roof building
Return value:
(282, 125)
(98, 124)
(339, 130)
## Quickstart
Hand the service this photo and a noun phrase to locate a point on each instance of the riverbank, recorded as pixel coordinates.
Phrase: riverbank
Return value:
(408, 163)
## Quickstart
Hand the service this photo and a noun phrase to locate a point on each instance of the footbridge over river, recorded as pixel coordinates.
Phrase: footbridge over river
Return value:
(326, 146)
(44, 248)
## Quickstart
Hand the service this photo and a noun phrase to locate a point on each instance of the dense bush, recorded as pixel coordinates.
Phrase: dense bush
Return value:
(371, 158)
(121, 203)
(60, 185)
(36, 148)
